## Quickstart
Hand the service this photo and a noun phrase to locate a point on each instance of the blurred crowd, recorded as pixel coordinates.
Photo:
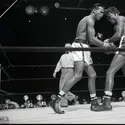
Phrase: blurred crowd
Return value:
(41, 102)
(27, 103)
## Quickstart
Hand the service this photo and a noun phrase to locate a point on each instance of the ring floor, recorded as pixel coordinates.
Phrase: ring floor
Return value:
(74, 114)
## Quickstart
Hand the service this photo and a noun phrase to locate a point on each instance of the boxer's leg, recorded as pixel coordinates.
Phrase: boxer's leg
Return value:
(117, 62)
(78, 72)
(91, 86)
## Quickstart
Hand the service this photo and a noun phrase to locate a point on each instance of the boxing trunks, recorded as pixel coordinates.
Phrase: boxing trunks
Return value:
(122, 45)
(81, 55)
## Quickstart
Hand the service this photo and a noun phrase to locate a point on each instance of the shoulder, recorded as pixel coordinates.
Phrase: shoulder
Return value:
(63, 55)
(83, 20)
(121, 19)
(87, 20)
(90, 20)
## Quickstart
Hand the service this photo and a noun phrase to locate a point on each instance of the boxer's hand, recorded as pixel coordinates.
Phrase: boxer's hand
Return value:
(106, 45)
(54, 74)
(99, 36)
(112, 46)
(106, 41)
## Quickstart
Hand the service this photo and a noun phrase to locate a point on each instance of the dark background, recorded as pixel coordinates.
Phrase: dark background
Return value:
(53, 30)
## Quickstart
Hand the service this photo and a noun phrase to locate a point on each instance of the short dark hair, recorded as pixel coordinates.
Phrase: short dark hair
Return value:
(112, 9)
(97, 5)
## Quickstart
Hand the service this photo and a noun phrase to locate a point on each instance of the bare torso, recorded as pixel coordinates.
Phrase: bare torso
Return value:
(81, 32)
(123, 33)
(121, 21)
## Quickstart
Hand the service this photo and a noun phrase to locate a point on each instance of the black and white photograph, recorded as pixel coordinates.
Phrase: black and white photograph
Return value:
(62, 62)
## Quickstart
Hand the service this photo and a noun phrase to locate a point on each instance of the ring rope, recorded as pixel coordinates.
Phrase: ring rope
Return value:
(27, 79)
(53, 49)
(78, 8)
(74, 8)
(57, 49)
(4, 92)
(6, 74)
(5, 80)
(30, 93)
(34, 66)
(5, 55)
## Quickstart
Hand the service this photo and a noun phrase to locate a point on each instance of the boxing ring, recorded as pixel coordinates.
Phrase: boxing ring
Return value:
(73, 114)
(78, 114)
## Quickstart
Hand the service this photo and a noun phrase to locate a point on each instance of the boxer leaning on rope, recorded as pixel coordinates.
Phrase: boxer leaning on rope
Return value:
(85, 36)
(119, 59)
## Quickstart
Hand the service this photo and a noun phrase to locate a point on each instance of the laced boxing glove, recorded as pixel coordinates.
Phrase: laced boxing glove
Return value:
(111, 46)
(99, 36)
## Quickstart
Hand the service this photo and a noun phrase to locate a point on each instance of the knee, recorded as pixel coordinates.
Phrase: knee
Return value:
(92, 76)
(78, 77)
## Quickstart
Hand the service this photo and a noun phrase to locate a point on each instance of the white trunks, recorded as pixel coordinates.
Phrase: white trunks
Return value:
(82, 55)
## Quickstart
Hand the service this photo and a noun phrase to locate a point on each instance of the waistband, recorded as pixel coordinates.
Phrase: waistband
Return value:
(80, 41)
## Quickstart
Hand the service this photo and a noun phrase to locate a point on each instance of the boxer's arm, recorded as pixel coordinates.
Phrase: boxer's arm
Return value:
(58, 67)
(118, 32)
(91, 35)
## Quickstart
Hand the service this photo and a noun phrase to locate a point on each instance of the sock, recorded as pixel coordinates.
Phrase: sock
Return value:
(108, 94)
(93, 96)
(61, 94)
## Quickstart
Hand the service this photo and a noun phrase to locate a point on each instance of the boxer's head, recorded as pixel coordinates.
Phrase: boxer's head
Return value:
(98, 11)
(112, 13)
(68, 45)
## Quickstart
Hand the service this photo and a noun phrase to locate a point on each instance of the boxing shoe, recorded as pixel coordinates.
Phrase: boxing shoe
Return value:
(76, 100)
(106, 105)
(55, 105)
(94, 104)
(64, 102)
